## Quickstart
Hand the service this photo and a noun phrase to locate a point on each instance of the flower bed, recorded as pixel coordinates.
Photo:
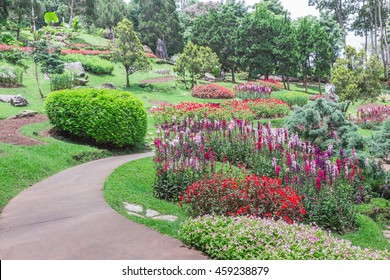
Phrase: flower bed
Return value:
(273, 84)
(212, 91)
(227, 238)
(86, 52)
(252, 196)
(371, 115)
(4, 48)
(330, 182)
(151, 55)
(252, 91)
(268, 108)
(292, 98)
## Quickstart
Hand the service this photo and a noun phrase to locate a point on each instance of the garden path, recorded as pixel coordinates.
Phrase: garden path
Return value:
(66, 217)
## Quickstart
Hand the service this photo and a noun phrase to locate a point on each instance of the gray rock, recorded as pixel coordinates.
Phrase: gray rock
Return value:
(163, 71)
(151, 213)
(24, 114)
(5, 98)
(209, 77)
(60, 39)
(133, 207)
(330, 93)
(135, 214)
(81, 82)
(108, 86)
(75, 67)
(18, 101)
(168, 218)
(147, 49)
(174, 58)
(161, 50)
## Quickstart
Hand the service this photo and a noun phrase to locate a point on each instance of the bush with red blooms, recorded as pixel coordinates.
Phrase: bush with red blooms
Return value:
(151, 55)
(268, 108)
(252, 196)
(212, 91)
(273, 84)
(86, 52)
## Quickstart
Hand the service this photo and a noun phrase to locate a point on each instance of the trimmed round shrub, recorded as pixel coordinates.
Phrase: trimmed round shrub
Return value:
(107, 117)
(212, 91)
(292, 98)
(227, 238)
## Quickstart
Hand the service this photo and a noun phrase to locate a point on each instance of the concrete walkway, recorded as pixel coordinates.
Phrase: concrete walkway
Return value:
(65, 217)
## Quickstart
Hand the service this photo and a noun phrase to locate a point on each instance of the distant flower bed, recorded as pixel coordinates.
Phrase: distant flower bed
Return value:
(241, 110)
(86, 52)
(240, 238)
(252, 91)
(371, 115)
(212, 91)
(273, 84)
(151, 55)
(4, 48)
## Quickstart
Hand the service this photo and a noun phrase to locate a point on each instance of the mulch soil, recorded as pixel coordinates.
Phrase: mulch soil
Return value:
(9, 130)
(158, 80)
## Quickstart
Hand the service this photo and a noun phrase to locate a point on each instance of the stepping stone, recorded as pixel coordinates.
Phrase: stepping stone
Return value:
(135, 214)
(151, 213)
(133, 207)
(168, 218)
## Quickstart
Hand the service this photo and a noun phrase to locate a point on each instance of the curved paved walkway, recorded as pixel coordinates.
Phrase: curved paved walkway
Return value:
(66, 217)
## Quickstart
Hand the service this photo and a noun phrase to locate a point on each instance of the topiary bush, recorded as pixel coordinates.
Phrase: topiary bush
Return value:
(107, 117)
(292, 98)
(91, 63)
(212, 91)
(227, 238)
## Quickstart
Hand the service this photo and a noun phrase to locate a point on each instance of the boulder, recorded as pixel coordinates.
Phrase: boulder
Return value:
(81, 81)
(330, 93)
(108, 86)
(18, 101)
(147, 49)
(209, 77)
(5, 98)
(174, 58)
(75, 67)
(24, 114)
(163, 71)
(60, 39)
(161, 50)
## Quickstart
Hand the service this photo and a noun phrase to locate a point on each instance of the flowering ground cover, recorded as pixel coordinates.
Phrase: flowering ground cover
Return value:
(212, 91)
(252, 91)
(241, 238)
(370, 115)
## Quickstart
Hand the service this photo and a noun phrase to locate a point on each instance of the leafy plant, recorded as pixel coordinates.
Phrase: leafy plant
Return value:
(11, 76)
(292, 98)
(379, 146)
(93, 64)
(61, 81)
(107, 117)
(227, 238)
(50, 18)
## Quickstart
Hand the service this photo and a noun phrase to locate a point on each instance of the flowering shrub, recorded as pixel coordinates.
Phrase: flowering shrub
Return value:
(268, 108)
(212, 91)
(151, 55)
(4, 48)
(252, 196)
(241, 238)
(191, 146)
(292, 98)
(273, 84)
(252, 91)
(371, 115)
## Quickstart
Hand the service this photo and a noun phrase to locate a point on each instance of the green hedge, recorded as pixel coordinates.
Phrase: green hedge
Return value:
(108, 117)
(292, 98)
(91, 63)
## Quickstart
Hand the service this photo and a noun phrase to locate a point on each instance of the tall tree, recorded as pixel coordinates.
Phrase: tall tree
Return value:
(109, 13)
(4, 6)
(20, 9)
(218, 30)
(128, 50)
(159, 19)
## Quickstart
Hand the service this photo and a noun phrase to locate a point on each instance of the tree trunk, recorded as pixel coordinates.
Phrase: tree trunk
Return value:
(284, 82)
(71, 7)
(127, 77)
(33, 27)
(305, 82)
(37, 79)
(384, 43)
(319, 84)
(372, 31)
(376, 27)
(18, 28)
(233, 76)
(288, 82)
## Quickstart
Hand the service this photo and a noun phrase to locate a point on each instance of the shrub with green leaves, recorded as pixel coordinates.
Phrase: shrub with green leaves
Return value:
(10, 76)
(292, 98)
(91, 63)
(380, 143)
(227, 238)
(102, 116)
(62, 81)
(323, 123)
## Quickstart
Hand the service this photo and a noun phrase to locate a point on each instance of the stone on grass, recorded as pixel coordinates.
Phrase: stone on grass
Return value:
(161, 50)
(209, 77)
(151, 213)
(108, 86)
(5, 98)
(135, 214)
(147, 49)
(24, 114)
(18, 101)
(75, 67)
(133, 207)
(168, 218)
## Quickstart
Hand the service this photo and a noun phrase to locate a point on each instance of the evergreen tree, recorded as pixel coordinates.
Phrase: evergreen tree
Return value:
(20, 9)
(218, 30)
(159, 19)
(128, 50)
(109, 13)
(4, 6)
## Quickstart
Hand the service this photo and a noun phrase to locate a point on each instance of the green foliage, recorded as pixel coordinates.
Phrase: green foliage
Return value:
(16, 57)
(11, 76)
(227, 238)
(7, 39)
(195, 61)
(355, 77)
(51, 18)
(323, 123)
(159, 19)
(292, 98)
(108, 117)
(379, 146)
(378, 210)
(128, 50)
(61, 81)
(49, 61)
(91, 63)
